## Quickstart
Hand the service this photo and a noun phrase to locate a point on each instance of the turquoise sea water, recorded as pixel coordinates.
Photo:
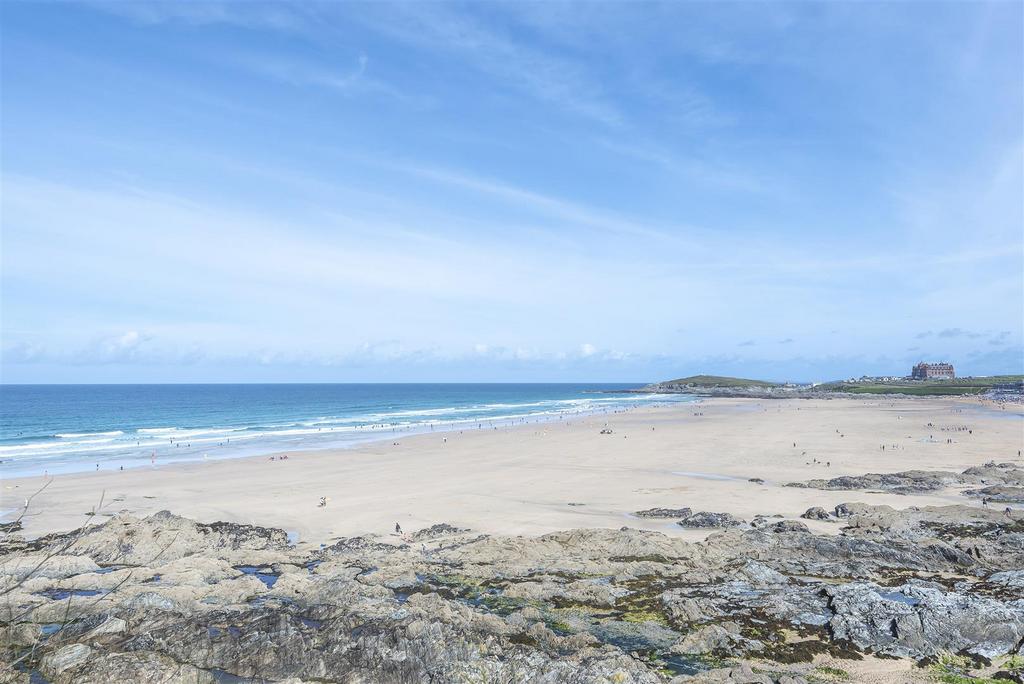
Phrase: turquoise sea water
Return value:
(67, 428)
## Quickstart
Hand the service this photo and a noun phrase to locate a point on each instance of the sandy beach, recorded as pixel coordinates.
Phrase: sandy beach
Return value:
(537, 478)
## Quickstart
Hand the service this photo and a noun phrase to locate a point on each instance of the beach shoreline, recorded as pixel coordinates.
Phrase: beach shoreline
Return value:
(73, 429)
(538, 478)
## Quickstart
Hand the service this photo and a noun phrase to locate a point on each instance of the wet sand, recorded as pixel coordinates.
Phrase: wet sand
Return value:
(538, 478)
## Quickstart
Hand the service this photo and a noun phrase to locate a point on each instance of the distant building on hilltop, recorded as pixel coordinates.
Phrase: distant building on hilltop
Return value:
(933, 371)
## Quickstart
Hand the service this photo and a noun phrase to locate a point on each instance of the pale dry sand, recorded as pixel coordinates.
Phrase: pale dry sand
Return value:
(522, 480)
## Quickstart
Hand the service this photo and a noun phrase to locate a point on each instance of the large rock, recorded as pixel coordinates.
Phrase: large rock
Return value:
(57, 664)
(743, 674)
(998, 493)
(916, 621)
(907, 482)
(664, 513)
(162, 538)
(20, 567)
(706, 519)
(721, 638)
(921, 481)
(105, 668)
(815, 513)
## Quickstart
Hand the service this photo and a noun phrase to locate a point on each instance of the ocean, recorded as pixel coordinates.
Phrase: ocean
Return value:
(73, 428)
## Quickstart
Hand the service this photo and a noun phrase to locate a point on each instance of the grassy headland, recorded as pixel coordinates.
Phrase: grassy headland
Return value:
(958, 386)
(718, 381)
(728, 386)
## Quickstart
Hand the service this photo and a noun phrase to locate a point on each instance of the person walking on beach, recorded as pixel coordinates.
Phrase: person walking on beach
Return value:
(398, 529)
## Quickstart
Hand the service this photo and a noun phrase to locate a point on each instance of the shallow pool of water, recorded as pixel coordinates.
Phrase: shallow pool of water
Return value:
(62, 594)
(900, 598)
(709, 476)
(263, 573)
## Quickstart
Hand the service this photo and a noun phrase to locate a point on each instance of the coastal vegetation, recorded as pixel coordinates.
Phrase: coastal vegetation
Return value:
(958, 386)
(719, 381)
(723, 385)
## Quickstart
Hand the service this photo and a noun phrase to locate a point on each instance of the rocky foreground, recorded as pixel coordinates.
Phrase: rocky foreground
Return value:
(166, 599)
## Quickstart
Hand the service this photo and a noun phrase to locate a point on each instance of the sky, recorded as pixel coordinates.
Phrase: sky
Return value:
(431, 192)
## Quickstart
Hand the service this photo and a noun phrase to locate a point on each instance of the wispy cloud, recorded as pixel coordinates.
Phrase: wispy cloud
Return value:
(556, 207)
(349, 80)
(247, 14)
(694, 169)
(958, 332)
(292, 71)
(550, 78)
(547, 77)
(125, 347)
(1001, 338)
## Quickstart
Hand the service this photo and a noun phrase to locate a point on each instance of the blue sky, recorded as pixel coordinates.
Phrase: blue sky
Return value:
(509, 192)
